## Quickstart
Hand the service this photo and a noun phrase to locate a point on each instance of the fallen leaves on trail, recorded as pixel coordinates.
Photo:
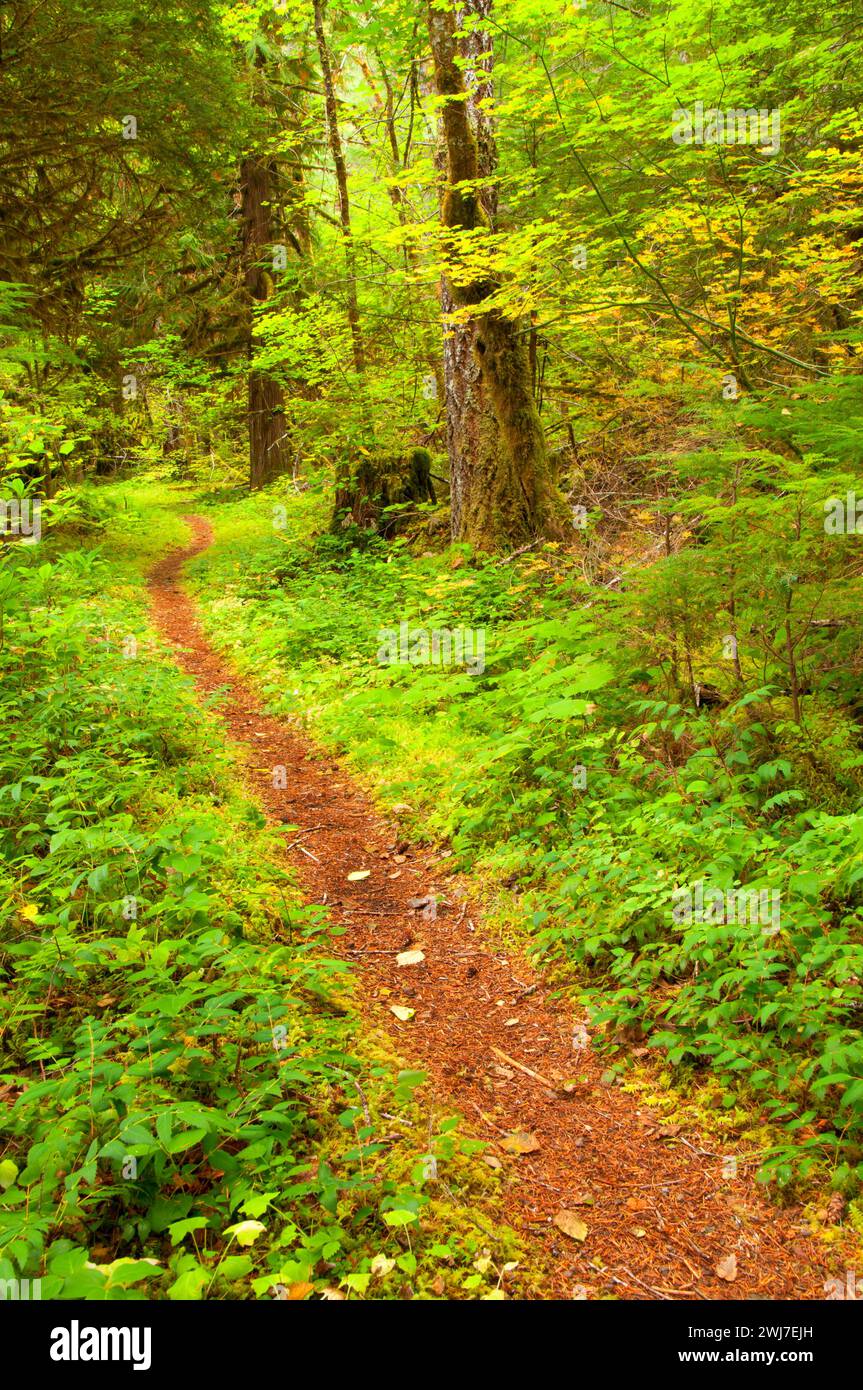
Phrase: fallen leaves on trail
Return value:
(410, 958)
(520, 1143)
(358, 874)
(382, 1266)
(727, 1269)
(571, 1225)
(402, 1013)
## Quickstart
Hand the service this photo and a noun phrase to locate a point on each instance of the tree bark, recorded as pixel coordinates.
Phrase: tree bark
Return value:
(502, 489)
(268, 437)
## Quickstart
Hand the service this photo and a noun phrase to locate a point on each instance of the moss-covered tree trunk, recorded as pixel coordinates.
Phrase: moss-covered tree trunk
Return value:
(470, 418)
(502, 489)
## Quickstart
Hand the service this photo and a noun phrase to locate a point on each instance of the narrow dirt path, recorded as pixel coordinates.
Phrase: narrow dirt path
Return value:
(660, 1215)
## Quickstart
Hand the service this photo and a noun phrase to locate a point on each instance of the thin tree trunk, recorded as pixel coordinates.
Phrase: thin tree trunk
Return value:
(342, 185)
(400, 203)
(268, 437)
(348, 491)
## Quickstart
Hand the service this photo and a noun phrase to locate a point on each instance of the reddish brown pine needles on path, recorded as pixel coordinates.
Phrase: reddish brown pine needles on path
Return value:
(661, 1219)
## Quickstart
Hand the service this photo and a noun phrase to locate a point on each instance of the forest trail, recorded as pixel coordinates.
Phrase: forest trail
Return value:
(660, 1216)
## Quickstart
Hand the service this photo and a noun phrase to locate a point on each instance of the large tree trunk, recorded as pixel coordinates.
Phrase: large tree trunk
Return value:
(469, 414)
(502, 490)
(268, 437)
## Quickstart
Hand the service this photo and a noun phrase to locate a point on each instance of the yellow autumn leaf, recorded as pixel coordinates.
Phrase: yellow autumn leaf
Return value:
(571, 1225)
(520, 1143)
(246, 1232)
(410, 958)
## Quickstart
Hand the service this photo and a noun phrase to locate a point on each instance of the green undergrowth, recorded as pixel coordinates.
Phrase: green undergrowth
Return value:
(564, 770)
(189, 1108)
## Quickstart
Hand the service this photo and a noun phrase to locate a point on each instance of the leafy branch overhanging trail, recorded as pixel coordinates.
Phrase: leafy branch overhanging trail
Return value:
(661, 1219)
